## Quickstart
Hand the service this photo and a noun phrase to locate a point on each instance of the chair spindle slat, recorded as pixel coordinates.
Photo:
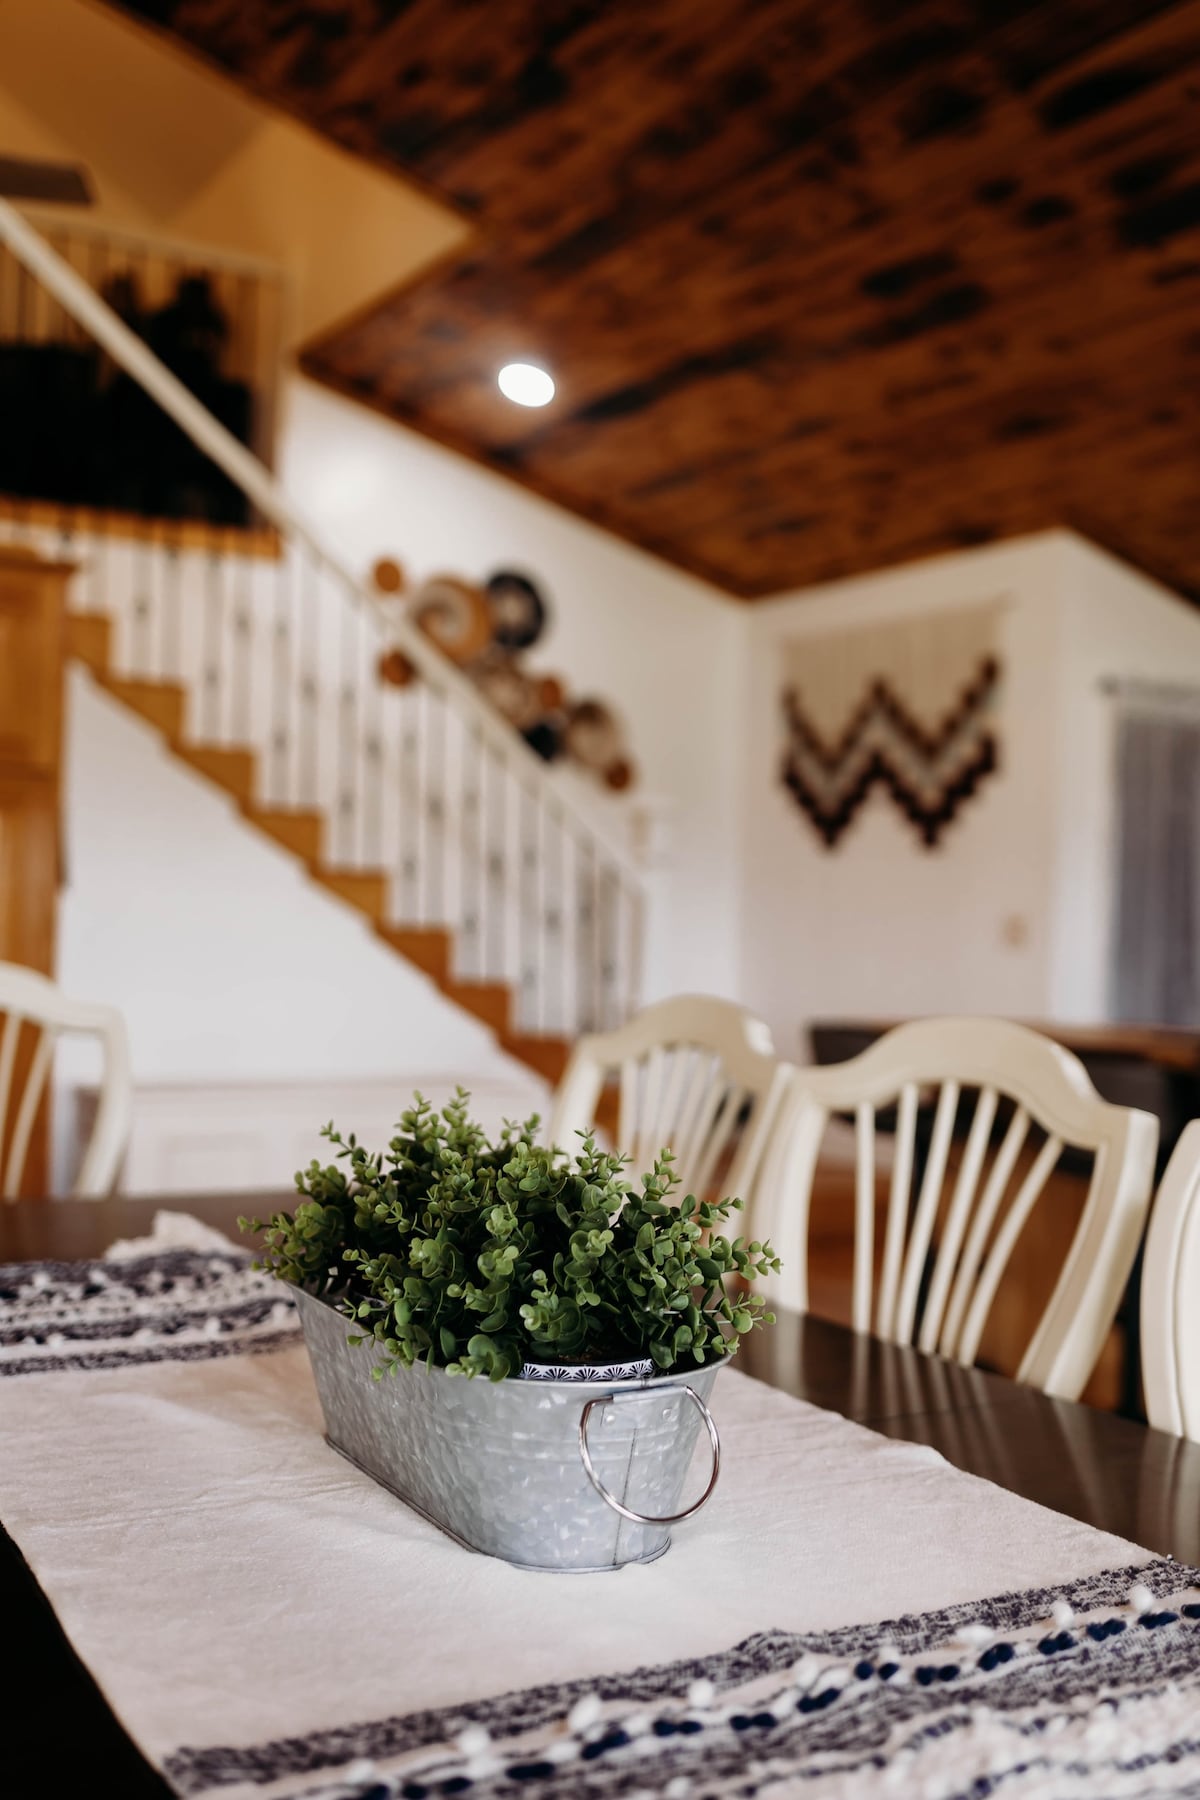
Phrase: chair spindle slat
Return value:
(921, 1233)
(897, 1219)
(1006, 1237)
(864, 1215)
(981, 1225)
(31, 1097)
(954, 1229)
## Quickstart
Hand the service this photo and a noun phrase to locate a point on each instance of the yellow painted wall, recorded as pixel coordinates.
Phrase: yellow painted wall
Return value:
(175, 148)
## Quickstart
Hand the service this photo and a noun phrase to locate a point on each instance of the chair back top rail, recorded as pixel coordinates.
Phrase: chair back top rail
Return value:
(697, 1075)
(28, 997)
(944, 1255)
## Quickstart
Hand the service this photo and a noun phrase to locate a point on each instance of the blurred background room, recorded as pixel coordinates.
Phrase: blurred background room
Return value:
(518, 524)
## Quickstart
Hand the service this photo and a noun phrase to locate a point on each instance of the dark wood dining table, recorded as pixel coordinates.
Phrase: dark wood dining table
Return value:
(1108, 1471)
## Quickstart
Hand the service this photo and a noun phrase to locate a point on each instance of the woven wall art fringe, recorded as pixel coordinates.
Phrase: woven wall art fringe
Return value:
(907, 708)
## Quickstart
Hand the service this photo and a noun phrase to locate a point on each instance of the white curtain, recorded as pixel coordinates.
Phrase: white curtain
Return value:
(1156, 951)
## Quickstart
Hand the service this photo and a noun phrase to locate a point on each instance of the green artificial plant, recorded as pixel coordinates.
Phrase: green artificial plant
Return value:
(479, 1257)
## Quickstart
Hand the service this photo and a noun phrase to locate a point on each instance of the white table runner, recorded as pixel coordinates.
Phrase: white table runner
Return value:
(266, 1620)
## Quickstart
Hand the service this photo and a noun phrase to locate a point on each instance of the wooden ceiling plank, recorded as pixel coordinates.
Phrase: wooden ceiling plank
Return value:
(823, 288)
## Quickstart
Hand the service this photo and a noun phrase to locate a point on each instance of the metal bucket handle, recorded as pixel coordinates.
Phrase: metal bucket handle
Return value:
(610, 1499)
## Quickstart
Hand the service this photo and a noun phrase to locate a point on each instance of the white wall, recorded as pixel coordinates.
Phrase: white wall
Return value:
(879, 926)
(662, 647)
(1011, 913)
(1118, 623)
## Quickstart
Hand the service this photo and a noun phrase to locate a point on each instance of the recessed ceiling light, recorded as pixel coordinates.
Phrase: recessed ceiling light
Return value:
(526, 384)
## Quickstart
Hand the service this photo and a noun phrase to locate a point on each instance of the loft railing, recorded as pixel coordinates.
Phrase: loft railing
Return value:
(277, 645)
(218, 320)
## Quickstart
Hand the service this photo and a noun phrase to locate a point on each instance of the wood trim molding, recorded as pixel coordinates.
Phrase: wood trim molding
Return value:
(180, 534)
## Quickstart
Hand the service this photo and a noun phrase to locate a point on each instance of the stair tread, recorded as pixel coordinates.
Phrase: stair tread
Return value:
(546, 1054)
(88, 639)
(428, 946)
(161, 703)
(142, 684)
(298, 829)
(367, 889)
(216, 753)
(231, 767)
(488, 1000)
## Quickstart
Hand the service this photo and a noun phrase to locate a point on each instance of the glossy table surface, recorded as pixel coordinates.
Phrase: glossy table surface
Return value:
(1120, 1476)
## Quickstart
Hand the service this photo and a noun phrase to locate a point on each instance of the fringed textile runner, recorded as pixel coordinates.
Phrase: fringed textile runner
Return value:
(266, 1621)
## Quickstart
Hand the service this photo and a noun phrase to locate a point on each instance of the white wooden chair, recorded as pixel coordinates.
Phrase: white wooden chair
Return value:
(1171, 1294)
(31, 999)
(692, 1071)
(936, 1290)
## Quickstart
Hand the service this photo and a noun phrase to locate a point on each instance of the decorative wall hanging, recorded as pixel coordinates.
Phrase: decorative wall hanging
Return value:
(906, 707)
(486, 631)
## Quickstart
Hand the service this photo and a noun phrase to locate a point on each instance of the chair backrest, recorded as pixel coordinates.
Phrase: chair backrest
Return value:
(31, 1000)
(697, 1075)
(944, 1252)
(1170, 1294)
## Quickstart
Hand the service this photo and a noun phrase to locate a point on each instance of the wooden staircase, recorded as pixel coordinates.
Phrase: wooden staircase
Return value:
(302, 832)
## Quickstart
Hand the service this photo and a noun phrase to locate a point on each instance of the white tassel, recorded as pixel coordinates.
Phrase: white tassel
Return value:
(701, 1693)
(475, 1740)
(1140, 1598)
(1063, 1614)
(585, 1712)
(564, 1751)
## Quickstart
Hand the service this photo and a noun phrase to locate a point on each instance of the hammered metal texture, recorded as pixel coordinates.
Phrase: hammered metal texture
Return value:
(496, 1464)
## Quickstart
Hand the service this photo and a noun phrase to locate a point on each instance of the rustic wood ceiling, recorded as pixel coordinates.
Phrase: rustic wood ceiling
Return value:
(826, 284)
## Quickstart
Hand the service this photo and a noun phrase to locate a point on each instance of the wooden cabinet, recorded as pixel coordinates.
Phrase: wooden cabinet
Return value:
(32, 612)
(32, 615)
(29, 870)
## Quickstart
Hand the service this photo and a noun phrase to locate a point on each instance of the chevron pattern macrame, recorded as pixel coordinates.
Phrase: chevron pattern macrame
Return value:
(930, 759)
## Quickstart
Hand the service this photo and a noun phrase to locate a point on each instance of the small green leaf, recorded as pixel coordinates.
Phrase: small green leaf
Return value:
(473, 1255)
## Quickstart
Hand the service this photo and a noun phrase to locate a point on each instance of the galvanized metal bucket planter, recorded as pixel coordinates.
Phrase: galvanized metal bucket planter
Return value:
(560, 1475)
